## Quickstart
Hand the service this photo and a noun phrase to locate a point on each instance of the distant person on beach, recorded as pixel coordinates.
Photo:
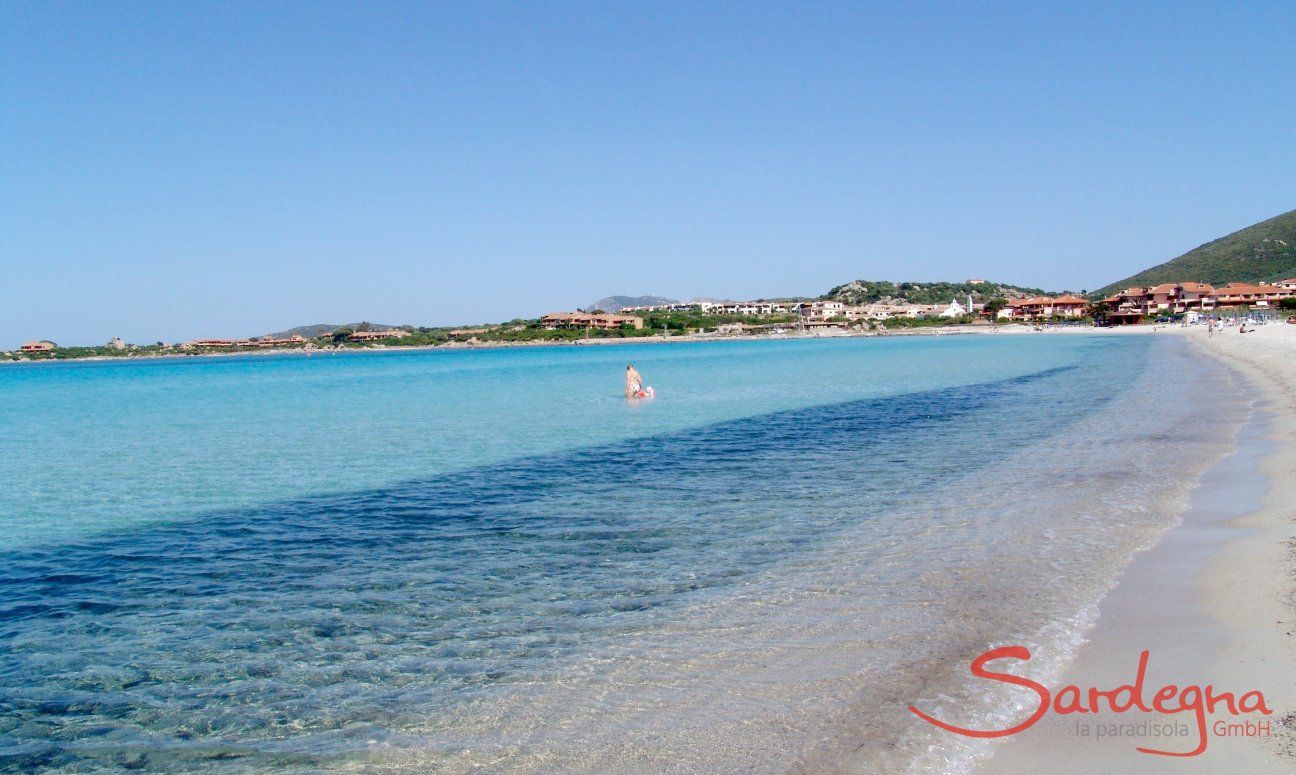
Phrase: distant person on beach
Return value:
(634, 382)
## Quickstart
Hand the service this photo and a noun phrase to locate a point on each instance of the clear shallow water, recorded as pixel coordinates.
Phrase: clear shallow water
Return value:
(488, 560)
(106, 445)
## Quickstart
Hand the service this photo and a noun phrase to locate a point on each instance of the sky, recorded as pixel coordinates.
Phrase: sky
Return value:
(175, 170)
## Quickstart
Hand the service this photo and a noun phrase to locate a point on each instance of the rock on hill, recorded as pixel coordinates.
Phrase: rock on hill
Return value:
(618, 303)
(1263, 252)
(869, 291)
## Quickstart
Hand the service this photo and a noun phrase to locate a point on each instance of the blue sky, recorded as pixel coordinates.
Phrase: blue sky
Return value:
(173, 170)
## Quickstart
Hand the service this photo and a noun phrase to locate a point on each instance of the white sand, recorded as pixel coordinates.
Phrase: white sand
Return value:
(1213, 601)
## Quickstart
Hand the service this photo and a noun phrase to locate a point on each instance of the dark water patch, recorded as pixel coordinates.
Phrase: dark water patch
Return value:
(302, 625)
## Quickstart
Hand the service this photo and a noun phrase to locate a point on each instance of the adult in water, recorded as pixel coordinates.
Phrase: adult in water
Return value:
(634, 382)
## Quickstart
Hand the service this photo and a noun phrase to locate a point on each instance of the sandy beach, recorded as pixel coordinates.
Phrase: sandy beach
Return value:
(1212, 602)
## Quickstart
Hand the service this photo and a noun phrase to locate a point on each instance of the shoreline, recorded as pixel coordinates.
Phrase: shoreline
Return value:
(1212, 600)
(964, 330)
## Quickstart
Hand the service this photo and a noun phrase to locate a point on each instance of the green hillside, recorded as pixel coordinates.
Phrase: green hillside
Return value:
(1263, 252)
(869, 291)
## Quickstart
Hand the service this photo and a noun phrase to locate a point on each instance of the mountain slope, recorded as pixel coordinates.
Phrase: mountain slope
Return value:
(1263, 252)
(618, 303)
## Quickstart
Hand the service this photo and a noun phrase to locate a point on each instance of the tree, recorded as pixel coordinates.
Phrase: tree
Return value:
(1288, 304)
(992, 306)
(1100, 312)
(341, 334)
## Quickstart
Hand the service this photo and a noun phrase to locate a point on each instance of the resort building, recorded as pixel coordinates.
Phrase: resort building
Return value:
(673, 307)
(270, 341)
(42, 346)
(748, 308)
(821, 310)
(888, 310)
(1131, 304)
(605, 321)
(211, 343)
(1180, 297)
(1163, 298)
(753, 308)
(1067, 306)
(1044, 307)
(1247, 294)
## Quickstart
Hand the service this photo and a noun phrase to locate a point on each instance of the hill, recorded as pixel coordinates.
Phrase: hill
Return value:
(869, 291)
(1263, 252)
(319, 329)
(618, 303)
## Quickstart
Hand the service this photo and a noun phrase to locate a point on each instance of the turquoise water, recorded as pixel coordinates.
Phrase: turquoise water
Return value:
(108, 445)
(491, 561)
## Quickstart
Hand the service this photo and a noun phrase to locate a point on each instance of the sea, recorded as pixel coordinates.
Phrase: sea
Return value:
(491, 561)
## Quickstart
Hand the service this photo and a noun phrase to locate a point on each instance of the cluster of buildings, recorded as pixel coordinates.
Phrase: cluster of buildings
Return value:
(605, 321)
(265, 341)
(887, 310)
(1132, 304)
(819, 312)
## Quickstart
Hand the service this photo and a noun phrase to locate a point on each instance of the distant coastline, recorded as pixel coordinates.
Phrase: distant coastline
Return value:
(948, 330)
(858, 308)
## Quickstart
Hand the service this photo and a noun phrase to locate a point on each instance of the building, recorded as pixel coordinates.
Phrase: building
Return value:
(1044, 307)
(270, 341)
(1132, 304)
(952, 310)
(1176, 297)
(1130, 300)
(675, 307)
(605, 321)
(42, 346)
(751, 308)
(1248, 295)
(1068, 306)
(821, 310)
(211, 343)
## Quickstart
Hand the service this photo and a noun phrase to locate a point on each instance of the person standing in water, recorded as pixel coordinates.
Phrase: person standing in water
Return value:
(634, 382)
